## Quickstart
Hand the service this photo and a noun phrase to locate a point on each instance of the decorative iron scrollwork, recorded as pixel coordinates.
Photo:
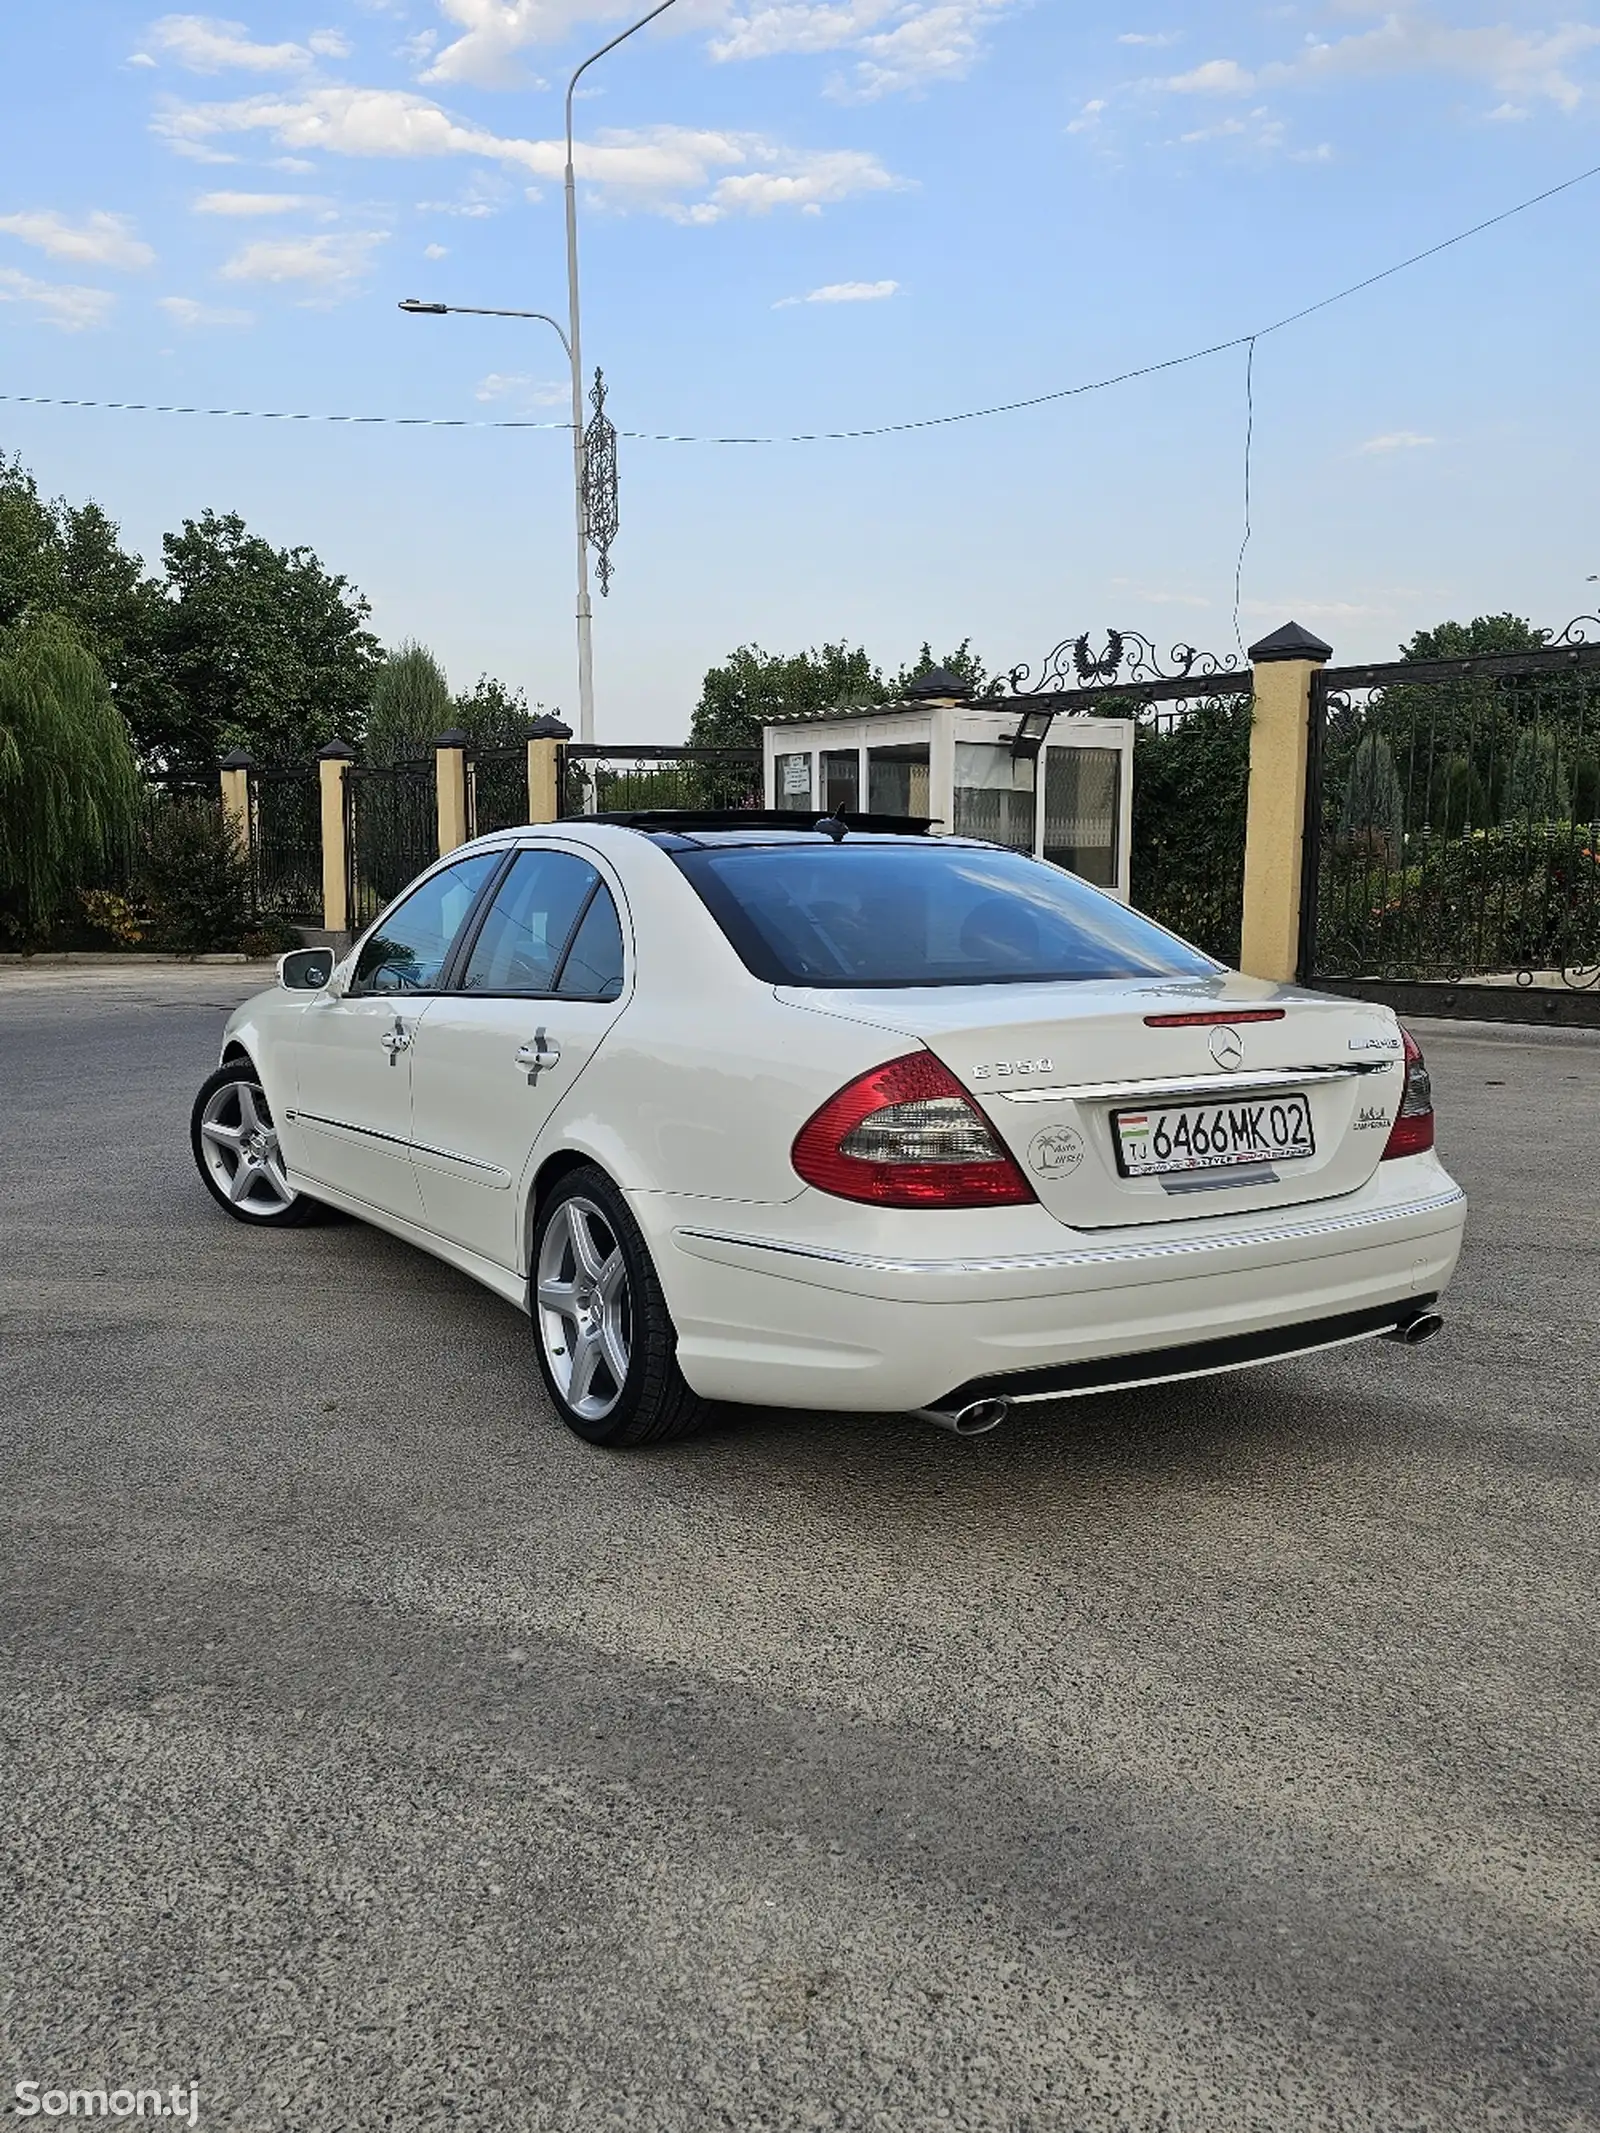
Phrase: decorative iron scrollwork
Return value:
(1576, 632)
(600, 483)
(1126, 659)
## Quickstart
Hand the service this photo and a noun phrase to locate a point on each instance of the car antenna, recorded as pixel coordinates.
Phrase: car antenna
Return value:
(834, 825)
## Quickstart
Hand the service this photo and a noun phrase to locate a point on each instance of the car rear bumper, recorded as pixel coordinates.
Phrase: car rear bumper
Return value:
(794, 1322)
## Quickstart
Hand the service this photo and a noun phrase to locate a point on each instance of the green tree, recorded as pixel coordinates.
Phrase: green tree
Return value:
(1536, 790)
(751, 687)
(263, 646)
(1483, 636)
(411, 705)
(1586, 789)
(69, 784)
(1374, 806)
(1456, 802)
(495, 716)
(963, 661)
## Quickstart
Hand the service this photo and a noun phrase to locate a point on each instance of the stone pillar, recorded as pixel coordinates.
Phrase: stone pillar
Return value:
(234, 770)
(1274, 837)
(545, 737)
(450, 782)
(332, 764)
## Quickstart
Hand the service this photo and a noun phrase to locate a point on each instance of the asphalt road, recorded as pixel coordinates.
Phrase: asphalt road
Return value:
(1211, 1759)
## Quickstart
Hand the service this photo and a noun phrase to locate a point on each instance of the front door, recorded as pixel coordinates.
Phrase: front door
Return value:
(541, 985)
(352, 1050)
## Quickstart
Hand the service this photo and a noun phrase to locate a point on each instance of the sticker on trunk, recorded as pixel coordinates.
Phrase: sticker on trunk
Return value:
(1056, 1152)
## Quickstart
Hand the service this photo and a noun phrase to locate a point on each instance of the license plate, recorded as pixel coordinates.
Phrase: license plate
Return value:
(1212, 1136)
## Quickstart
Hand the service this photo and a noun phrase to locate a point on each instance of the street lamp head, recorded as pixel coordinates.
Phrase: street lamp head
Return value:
(416, 306)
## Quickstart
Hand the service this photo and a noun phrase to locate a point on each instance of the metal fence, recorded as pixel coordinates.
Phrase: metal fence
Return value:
(1191, 770)
(286, 842)
(497, 790)
(1451, 819)
(598, 780)
(391, 831)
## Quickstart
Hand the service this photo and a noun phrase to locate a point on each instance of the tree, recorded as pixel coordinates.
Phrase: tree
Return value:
(751, 687)
(963, 661)
(411, 705)
(1374, 807)
(263, 646)
(494, 716)
(69, 784)
(1483, 636)
(1536, 790)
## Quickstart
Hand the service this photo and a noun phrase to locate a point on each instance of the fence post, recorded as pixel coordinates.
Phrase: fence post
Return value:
(1275, 811)
(332, 764)
(450, 786)
(545, 736)
(234, 771)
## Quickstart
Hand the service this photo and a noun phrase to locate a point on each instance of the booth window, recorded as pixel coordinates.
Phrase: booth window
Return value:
(897, 780)
(841, 780)
(794, 783)
(1082, 808)
(995, 797)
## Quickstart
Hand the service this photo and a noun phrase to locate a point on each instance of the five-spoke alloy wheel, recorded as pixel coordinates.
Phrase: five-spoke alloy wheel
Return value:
(606, 1345)
(235, 1144)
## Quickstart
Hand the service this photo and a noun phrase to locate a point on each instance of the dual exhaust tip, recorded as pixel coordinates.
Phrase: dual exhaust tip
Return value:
(978, 1417)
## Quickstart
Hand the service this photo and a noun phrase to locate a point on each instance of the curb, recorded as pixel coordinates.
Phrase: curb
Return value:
(135, 958)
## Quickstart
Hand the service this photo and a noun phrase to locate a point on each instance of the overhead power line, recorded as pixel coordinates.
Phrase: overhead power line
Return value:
(882, 429)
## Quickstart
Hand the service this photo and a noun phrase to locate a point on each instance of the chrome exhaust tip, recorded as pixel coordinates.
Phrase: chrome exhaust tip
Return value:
(1417, 1330)
(976, 1419)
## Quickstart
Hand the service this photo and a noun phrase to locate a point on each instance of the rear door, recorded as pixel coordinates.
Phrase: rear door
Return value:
(537, 991)
(1205, 1076)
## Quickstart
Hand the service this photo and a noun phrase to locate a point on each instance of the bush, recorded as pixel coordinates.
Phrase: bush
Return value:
(194, 878)
(117, 916)
(270, 936)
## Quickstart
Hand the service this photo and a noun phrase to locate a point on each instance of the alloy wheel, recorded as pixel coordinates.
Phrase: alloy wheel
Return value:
(585, 1308)
(239, 1145)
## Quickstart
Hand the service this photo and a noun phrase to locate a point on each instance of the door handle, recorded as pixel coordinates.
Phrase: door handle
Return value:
(538, 1056)
(396, 1040)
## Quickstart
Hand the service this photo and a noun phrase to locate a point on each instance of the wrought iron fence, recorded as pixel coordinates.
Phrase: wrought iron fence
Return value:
(286, 842)
(497, 790)
(1451, 821)
(597, 780)
(1191, 769)
(391, 831)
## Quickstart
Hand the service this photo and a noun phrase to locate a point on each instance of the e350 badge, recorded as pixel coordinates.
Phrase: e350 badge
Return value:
(1056, 1152)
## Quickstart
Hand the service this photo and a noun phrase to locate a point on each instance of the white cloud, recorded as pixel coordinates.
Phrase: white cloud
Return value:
(1217, 77)
(1397, 441)
(1514, 63)
(253, 203)
(60, 303)
(139, 59)
(99, 240)
(900, 44)
(330, 44)
(1089, 116)
(1150, 37)
(435, 251)
(495, 31)
(328, 264)
(678, 170)
(206, 45)
(523, 390)
(184, 311)
(843, 292)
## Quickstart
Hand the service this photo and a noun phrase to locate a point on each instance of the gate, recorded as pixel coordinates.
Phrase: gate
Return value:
(497, 790)
(595, 780)
(1191, 770)
(1452, 839)
(391, 832)
(285, 835)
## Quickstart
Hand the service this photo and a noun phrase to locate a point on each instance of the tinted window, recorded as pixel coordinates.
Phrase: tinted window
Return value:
(408, 950)
(529, 924)
(924, 914)
(593, 969)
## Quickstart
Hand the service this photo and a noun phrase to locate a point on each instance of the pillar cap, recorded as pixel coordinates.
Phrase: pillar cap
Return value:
(939, 685)
(1290, 642)
(453, 737)
(549, 728)
(237, 759)
(336, 751)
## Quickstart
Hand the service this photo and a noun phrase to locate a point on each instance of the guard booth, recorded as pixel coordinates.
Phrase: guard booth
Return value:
(1018, 775)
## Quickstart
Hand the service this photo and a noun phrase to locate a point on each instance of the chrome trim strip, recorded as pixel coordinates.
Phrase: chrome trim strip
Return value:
(1204, 1086)
(1102, 1255)
(393, 1140)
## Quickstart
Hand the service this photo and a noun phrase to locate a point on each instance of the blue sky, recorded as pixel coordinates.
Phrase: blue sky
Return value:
(813, 214)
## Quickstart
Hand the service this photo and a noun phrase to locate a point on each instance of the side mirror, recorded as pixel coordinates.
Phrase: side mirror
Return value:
(305, 969)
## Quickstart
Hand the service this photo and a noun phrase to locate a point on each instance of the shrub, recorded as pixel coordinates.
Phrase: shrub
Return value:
(269, 936)
(194, 878)
(117, 916)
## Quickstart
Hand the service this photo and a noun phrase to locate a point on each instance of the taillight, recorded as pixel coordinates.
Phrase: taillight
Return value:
(907, 1135)
(1412, 1131)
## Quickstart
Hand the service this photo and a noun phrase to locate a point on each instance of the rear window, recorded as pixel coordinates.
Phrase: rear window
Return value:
(924, 914)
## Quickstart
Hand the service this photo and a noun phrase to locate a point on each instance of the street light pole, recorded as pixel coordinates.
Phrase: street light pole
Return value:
(575, 357)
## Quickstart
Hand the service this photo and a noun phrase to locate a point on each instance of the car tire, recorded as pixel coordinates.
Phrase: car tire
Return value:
(235, 1144)
(606, 1345)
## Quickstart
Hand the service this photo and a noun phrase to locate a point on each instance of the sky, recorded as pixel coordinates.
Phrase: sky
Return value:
(809, 215)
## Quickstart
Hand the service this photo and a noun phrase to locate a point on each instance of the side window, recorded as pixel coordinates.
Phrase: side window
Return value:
(408, 951)
(593, 969)
(529, 924)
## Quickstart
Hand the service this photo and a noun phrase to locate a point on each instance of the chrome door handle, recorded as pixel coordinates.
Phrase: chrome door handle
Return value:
(396, 1040)
(538, 1056)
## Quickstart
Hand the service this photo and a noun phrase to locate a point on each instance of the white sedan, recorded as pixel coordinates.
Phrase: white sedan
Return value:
(743, 1108)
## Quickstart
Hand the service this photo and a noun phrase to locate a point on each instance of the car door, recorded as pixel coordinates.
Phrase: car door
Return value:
(352, 1050)
(534, 994)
